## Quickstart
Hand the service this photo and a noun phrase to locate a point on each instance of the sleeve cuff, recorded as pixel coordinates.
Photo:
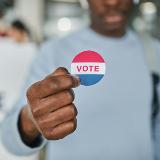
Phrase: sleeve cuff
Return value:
(12, 140)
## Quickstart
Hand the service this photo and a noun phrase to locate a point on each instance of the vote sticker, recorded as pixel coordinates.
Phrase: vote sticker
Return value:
(89, 66)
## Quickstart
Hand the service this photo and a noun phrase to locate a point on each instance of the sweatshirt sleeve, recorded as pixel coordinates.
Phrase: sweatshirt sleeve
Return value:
(10, 136)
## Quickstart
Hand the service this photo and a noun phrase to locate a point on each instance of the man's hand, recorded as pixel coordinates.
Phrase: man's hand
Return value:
(50, 110)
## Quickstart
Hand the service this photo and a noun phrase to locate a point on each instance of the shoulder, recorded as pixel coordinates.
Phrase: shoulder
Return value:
(148, 43)
(147, 38)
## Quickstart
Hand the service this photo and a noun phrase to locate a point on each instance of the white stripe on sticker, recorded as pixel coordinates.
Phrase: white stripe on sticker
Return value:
(88, 68)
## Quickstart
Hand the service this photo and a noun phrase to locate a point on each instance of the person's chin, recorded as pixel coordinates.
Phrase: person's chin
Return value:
(113, 27)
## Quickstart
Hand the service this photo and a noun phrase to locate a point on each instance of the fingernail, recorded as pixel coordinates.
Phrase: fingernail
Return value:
(77, 79)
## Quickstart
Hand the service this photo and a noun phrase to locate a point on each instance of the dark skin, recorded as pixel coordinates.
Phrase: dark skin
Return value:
(109, 17)
(16, 34)
(50, 110)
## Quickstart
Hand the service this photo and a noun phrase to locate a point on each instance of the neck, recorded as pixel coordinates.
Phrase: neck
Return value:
(109, 33)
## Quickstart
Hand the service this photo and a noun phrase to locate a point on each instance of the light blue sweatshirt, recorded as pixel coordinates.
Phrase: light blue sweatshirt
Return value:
(114, 116)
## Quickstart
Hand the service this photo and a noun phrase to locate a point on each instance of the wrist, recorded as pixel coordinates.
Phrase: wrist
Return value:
(27, 128)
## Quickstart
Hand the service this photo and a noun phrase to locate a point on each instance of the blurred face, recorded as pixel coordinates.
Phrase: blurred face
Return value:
(16, 34)
(109, 17)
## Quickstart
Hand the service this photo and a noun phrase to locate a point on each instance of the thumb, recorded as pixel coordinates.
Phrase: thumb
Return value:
(62, 71)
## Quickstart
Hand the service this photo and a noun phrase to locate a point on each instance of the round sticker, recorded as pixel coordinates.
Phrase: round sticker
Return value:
(89, 66)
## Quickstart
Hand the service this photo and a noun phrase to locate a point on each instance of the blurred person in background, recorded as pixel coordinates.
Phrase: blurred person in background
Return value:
(114, 120)
(1, 15)
(19, 32)
(2, 29)
(16, 55)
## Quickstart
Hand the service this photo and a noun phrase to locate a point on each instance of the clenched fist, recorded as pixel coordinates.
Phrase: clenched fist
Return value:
(50, 110)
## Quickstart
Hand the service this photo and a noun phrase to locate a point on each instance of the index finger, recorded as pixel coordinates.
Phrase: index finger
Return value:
(54, 84)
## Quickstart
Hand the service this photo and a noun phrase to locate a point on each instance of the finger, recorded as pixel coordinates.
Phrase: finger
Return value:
(53, 102)
(58, 117)
(52, 85)
(59, 71)
(61, 130)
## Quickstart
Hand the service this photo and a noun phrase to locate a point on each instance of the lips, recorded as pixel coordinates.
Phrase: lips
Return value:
(113, 18)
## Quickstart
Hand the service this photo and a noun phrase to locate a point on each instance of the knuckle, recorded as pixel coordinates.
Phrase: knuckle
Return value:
(59, 117)
(29, 93)
(72, 110)
(55, 135)
(34, 112)
(52, 83)
(36, 87)
(33, 89)
(35, 109)
(73, 125)
(72, 81)
(48, 135)
(62, 70)
(52, 134)
(40, 123)
(70, 95)
(48, 138)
